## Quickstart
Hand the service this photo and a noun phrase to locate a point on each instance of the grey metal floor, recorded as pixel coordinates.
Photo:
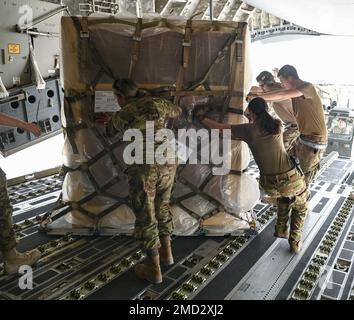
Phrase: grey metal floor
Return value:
(242, 267)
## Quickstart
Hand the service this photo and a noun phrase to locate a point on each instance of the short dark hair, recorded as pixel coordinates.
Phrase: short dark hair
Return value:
(266, 77)
(288, 71)
(125, 87)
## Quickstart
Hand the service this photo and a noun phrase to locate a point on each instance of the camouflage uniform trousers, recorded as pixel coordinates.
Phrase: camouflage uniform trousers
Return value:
(292, 201)
(290, 135)
(150, 192)
(309, 159)
(7, 234)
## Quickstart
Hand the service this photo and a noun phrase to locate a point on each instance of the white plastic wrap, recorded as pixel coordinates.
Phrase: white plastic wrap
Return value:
(224, 223)
(118, 153)
(195, 173)
(98, 204)
(76, 186)
(236, 193)
(184, 224)
(121, 188)
(70, 159)
(240, 155)
(103, 170)
(180, 190)
(122, 218)
(159, 60)
(88, 146)
(79, 220)
(198, 205)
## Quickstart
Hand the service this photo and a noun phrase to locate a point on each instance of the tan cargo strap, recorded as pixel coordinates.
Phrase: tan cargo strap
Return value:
(136, 47)
(185, 58)
(66, 169)
(77, 127)
(195, 191)
(236, 172)
(97, 79)
(60, 210)
(236, 111)
(100, 62)
(220, 56)
(76, 98)
(84, 33)
(108, 148)
(70, 121)
(239, 51)
(98, 191)
(87, 47)
(187, 44)
(84, 43)
(163, 22)
(198, 191)
(179, 201)
(58, 204)
(111, 19)
(234, 66)
(190, 212)
(109, 210)
(81, 56)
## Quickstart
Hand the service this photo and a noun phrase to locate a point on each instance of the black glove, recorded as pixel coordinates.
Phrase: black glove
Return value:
(199, 112)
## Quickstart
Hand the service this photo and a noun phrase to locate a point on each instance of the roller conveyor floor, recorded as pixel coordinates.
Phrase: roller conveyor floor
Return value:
(239, 267)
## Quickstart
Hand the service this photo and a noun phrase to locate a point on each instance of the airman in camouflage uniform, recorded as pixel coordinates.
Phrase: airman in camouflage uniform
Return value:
(292, 198)
(279, 177)
(13, 259)
(311, 144)
(7, 233)
(150, 184)
(290, 135)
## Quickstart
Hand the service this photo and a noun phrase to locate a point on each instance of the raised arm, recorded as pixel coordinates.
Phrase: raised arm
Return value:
(277, 95)
(6, 120)
(212, 124)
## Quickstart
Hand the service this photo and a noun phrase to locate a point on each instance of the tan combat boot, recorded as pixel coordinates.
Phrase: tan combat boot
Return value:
(295, 246)
(150, 270)
(281, 232)
(283, 235)
(13, 259)
(166, 251)
(269, 200)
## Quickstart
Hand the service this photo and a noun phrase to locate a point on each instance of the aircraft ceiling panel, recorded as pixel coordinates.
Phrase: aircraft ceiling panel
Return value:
(324, 16)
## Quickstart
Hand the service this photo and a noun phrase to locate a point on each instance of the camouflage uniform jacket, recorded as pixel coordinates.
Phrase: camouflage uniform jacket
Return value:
(138, 111)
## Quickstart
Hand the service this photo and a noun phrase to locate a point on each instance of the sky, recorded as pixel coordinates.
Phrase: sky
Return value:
(318, 59)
